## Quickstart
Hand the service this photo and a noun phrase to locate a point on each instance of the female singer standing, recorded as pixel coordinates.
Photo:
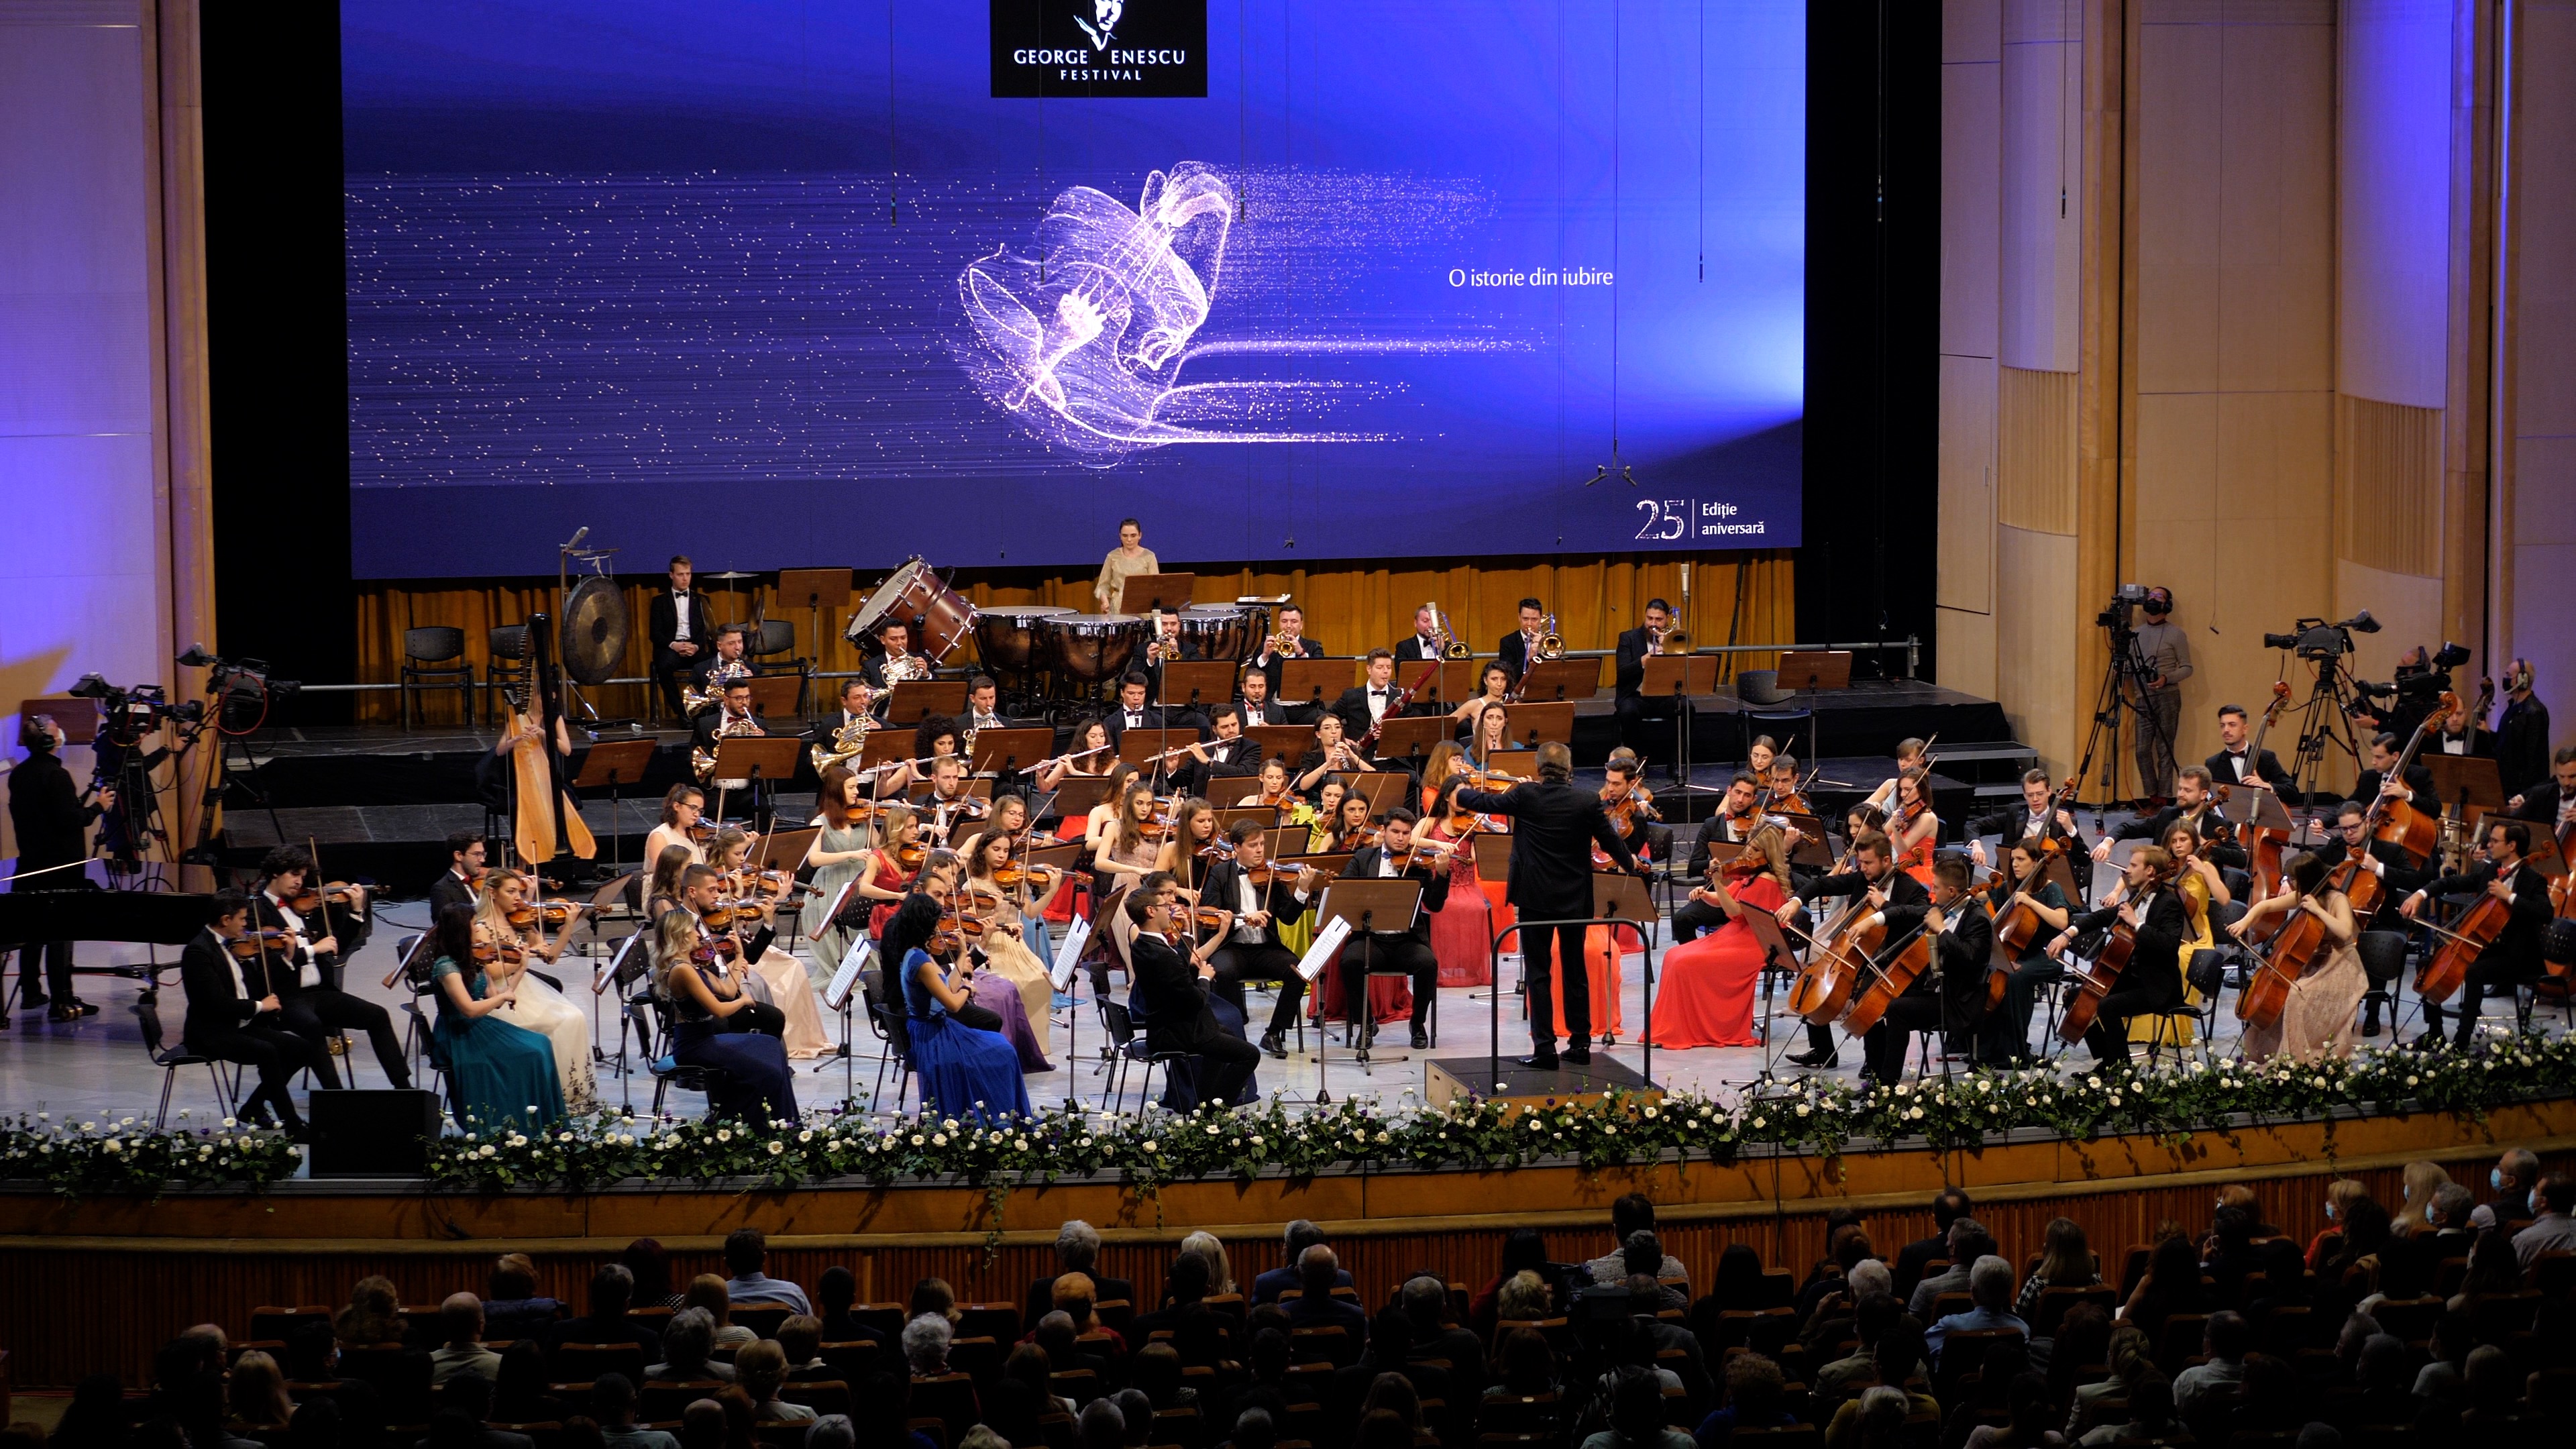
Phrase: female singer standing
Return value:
(839, 853)
(2317, 1021)
(883, 876)
(1124, 562)
(681, 809)
(1915, 829)
(1706, 995)
(497, 1073)
(1462, 933)
(531, 1003)
(790, 989)
(755, 1084)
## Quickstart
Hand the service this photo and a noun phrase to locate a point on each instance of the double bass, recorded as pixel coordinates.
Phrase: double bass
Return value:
(547, 820)
(2398, 822)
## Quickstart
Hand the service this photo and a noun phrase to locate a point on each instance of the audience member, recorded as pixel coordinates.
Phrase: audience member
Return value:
(1990, 1289)
(2493, 1268)
(651, 1267)
(2151, 1417)
(519, 1390)
(373, 1317)
(1220, 1267)
(1101, 1426)
(612, 1403)
(1632, 1213)
(468, 1396)
(612, 1294)
(2131, 1358)
(1873, 1318)
(761, 1369)
(1754, 1394)
(2065, 1261)
(511, 1308)
(2512, 1178)
(1318, 1273)
(257, 1394)
(800, 1340)
(925, 1346)
(746, 1252)
(2223, 1341)
(686, 1341)
(1947, 1208)
(2170, 1285)
(1524, 1251)
(460, 1327)
(836, 1293)
(2027, 1408)
(1294, 1241)
(2341, 1193)
(2551, 1230)
(1637, 1421)
(1526, 1366)
(707, 1294)
(1969, 1241)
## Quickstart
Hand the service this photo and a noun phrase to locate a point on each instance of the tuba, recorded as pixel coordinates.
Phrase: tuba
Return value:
(1551, 644)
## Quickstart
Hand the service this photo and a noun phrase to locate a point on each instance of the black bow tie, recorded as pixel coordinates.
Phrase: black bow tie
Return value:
(1377, 694)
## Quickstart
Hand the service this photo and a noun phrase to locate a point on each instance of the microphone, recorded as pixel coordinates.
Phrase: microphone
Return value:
(578, 535)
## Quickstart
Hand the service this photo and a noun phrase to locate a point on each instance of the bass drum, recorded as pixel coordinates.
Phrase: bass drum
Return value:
(1006, 635)
(1089, 648)
(939, 616)
(1221, 631)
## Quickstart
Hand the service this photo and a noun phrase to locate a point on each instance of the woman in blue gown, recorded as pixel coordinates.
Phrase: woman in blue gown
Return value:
(967, 1067)
(497, 1073)
(756, 1084)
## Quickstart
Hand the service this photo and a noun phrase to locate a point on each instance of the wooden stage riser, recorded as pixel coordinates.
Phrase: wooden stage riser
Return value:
(65, 1314)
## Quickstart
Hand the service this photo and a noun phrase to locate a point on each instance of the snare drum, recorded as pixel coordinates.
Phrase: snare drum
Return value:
(1006, 635)
(939, 616)
(1221, 631)
(1088, 648)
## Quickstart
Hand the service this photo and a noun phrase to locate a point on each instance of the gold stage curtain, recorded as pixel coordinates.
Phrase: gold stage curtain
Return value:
(1351, 609)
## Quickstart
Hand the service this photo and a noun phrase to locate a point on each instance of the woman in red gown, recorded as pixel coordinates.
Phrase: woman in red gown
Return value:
(1462, 933)
(1704, 993)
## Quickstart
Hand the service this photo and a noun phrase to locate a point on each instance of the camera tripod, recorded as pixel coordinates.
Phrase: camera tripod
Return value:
(2325, 719)
(2126, 664)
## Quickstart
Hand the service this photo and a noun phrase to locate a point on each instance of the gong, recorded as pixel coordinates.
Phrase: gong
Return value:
(594, 630)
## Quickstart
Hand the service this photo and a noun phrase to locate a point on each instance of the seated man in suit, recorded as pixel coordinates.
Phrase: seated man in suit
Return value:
(2236, 763)
(898, 663)
(677, 625)
(1318, 1273)
(1424, 644)
(1288, 641)
(1296, 1238)
(305, 976)
(1171, 992)
(1133, 712)
(464, 874)
(612, 1293)
(729, 661)
(858, 702)
(1252, 949)
(1258, 708)
(1228, 756)
(1407, 950)
(984, 706)
(2372, 782)
(1363, 704)
(1520, 646)
(1077, 1250)
(235, 1016)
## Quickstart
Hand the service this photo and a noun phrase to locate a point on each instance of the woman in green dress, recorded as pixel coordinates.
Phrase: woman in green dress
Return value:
(840, 850)
(496, 1073)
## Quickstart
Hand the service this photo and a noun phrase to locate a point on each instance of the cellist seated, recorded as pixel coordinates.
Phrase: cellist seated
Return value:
(2299, 1002)
(1896, 901)
(2503, 929)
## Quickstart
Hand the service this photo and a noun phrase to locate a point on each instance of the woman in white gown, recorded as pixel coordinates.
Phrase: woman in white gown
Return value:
(535, 1006)
(781, 970)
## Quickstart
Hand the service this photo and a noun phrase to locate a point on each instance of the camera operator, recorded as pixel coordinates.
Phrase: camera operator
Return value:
(2165, 662)
(2407, 710)
(52, 826)
(2522, 733)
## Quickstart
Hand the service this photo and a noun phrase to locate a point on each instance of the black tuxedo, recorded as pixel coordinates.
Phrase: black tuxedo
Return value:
(2266, 767)
(1272, 664)
(1180, 649)
(2481, 744)
(1628, 682)
(2514, 956)
(1227, 760)
(1906, 902)
(1177, 1017)
(662, 626)
(2401, 876)
(1551, 880)
(226, 1024)
(1151, 717)
(2419, 778)
(2010, 825)
(321, 1010)
(2152, 981)
(1274, 712)
(1416, 650)
(1953, 1004)
(1353, 707)
(1513, 652)
(1267, 959)
(2540, 806)
(447, 891)
(873, 671)
(2215, 845)
(1408, 950)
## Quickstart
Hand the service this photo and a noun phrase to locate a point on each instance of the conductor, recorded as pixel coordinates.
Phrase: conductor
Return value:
(1551, 880)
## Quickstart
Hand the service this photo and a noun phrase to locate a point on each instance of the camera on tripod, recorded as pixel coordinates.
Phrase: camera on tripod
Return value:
(2124, 602)
(243, 688)
(2422, 685)
(128, 714)
(2317, 640)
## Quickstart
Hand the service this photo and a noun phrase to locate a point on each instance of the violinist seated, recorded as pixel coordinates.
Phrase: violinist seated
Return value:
(2551, 804)
(1171, 996)
(2513, 957)
(1333, 754)
(1133, 713)
(1228, 756)
(2237, 763)
(1631, 808)
(1897, 899)
(2147, 901)
(952, 810)
(1962, 938)
(2040, 815)
(716, 1025)
(2415, 785)
(305, 975)
(235, 1015)
(1395, 856)
(1362, 705)
(1257, 902)
(1258, 708)
(1720, 837)
(747, 925)
(729, 718)
(2194, 802)
(2023, 884)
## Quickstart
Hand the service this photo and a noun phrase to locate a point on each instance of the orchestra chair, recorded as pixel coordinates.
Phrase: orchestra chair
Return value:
(508, 664)
(170, 1059)
(2383, 960)
(434, 658)
(667, 1070)
(1128, 1038)
(894, 1041)
(765, 645)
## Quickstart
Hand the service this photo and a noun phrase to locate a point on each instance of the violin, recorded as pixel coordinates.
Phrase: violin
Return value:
(313, 898)
(551, 912)
(508, 953)
(1491, 782)
(1013, 875)
(261, 941)
(911, 856)
(1262, 875)
(1218, 848)
(756, 882)
(1357, 838)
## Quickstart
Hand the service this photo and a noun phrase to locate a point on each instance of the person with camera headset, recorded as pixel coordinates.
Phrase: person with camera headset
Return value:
(2164, 652)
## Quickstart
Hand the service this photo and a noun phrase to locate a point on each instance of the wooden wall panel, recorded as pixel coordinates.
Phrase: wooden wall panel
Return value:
(2037, 615)
(2041, 175)
(1351, 609)
(2388, 486)
(2035, 450)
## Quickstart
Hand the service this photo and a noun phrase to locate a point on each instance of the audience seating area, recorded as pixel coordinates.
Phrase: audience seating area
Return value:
(2448, 1316)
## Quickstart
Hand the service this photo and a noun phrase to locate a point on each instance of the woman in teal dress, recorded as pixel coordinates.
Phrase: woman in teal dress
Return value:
(496, 1073)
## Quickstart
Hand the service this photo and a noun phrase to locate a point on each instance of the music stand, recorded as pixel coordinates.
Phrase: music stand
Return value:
(755, 758)
(777, 695)
(1555, 681)
(1456, 679)
(1226, 816)
(1226, 791)
(1531, 725)
(1142, 593)
(883, 747)
(614, 763)
(1197, 684)
(1519, 764)
(1317, 682)
(1287, 744)
(1410, 737)
(1138, 746)
(1812, 847)
(1815, 669)
(1367, 905)
(1623, 900)
(1678, 677)
(2468, 781)
(820, 589)
(916, 699)
(1077, 794)
(1779, 954)
(1004, 752)
(785, 849)
(1381, 788)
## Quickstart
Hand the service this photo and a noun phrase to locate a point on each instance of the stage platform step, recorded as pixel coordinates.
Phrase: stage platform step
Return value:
(1447, 1078)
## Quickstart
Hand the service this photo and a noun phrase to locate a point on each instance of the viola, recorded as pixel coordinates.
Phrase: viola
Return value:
(2017, 926)
(508, 953)
(260, 941)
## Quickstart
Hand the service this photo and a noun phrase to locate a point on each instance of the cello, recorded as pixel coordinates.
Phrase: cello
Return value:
(2293, 948)
(1895, 978)
(2463, 942)
(547, 819)
(2098, 979)
(1823, 991)
(2397, 821)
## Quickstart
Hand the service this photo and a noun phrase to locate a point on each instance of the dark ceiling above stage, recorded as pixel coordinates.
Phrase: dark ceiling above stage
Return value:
(278, 330)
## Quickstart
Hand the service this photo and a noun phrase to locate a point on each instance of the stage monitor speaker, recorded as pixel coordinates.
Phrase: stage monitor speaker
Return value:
(1759, 686)
(373, 1133)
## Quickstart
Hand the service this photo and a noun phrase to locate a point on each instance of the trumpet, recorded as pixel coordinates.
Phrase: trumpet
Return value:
(1551, 644)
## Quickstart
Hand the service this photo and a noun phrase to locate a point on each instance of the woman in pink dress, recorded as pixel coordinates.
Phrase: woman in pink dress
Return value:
(1390, 998)
(1462, 934)
(1704, 994)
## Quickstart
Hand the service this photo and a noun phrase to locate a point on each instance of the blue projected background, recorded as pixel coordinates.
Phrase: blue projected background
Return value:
(783, 285)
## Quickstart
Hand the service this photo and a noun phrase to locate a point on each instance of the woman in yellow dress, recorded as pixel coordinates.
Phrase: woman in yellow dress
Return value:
(2202, 887)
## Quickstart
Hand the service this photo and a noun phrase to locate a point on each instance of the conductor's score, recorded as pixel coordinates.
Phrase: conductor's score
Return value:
(1670, 520)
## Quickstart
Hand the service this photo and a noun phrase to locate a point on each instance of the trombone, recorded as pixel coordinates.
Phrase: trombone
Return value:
(1451, 646)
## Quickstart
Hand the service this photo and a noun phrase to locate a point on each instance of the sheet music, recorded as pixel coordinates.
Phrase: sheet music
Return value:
(612, 970)
(1069, 952)
(845, 980)
(1327, 941)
